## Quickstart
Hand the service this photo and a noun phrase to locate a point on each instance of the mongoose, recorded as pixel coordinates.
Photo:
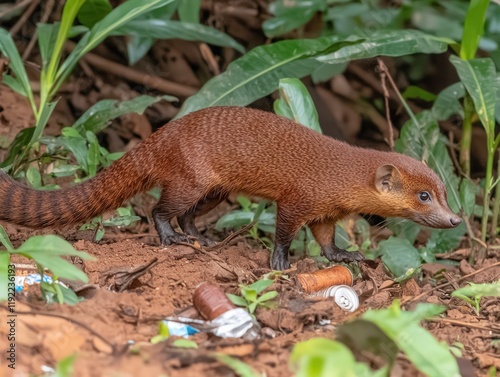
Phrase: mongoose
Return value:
(201, 158)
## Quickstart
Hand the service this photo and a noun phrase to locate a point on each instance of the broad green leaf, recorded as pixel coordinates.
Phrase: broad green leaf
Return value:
(239, 367)
(267, 296)
(388, 43)
(296, 104)
(5, 276)
(290, 15)
(257, 73)
(446, 240)
(477, 76)
(400, 257)
(47, 35)
(138, 47)
(479, 290)
(113, 21)
(261, 285)
(320, 357)
(468, 196)
(428, 355)
(326, 71)
(47, 251)
(473, 28)
(9, 49)
(93, 11)
(4, 239)
(405, 229)
(237, 300)
(238, 219)
(189, 10)
(168, 29)
(448, 103)
(344, 11)
(99, 115)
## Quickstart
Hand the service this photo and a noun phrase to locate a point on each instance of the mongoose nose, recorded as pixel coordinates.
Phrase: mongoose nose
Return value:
(455, 221)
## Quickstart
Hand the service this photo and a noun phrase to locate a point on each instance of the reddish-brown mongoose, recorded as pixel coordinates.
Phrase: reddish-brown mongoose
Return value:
(201, 158)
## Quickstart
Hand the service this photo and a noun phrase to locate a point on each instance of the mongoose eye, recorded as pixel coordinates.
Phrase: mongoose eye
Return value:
(424, 197)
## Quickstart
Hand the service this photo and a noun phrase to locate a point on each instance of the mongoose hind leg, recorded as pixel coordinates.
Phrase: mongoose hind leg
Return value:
(287, 225)
(324, 233)
(186, 221)
(165, 210)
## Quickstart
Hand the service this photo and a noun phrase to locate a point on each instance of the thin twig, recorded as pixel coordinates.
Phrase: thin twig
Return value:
(465, 324)
(423, 294)
(24, 18)
(384, 72)
(131, 74)
(47, 11)
(14, 8)
(231, 237)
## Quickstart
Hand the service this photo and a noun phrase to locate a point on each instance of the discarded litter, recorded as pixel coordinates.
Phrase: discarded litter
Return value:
(331, 282)
(222, 317)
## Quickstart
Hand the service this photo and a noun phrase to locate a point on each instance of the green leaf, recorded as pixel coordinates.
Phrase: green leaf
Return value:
(8, 49)
(189, 10)
(261, 285)
(326, 71)
(184, 343)
(138, 47)
(399, 256)
(5, 276)
(47, 251)
(237, 300)
(93, 11)
(413, 91)
(448, 102)
(267, 296)
(4, 239)
(473, 28)
(428, 355)
(290, 15)
(168, 29)
(257, 73)
(47, 36)
(113, 21)
(65, 367)
(477, 76)
(446, 240)
(320, 357)
(239, 367)
(479, 290)
(468, 192)
(97, 118)
(296, 104)
(389, 43)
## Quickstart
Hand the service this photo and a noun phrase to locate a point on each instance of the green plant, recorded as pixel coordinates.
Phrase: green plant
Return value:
(46, 252)
(384, 333)
(250, 298)
(473, 293)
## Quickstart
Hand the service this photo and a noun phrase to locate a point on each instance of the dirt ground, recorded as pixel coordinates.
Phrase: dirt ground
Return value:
(110, 332)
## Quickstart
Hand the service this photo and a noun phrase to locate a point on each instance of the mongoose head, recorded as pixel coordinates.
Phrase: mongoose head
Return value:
(413, 191)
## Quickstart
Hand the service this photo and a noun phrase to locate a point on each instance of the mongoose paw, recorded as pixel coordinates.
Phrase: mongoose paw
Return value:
(174, 239)
(280, 264)
(344, 256)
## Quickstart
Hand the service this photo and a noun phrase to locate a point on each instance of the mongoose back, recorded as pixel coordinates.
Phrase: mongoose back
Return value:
(201, 158)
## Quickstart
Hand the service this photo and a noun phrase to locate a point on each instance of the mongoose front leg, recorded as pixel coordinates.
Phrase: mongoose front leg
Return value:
(163, 213)
(324, 233)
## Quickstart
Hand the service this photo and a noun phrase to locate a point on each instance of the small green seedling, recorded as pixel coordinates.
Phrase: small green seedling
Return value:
(163, 333)
(457, 349)
(125, 218)
(473, 293)
(46, 252)
(250, 298)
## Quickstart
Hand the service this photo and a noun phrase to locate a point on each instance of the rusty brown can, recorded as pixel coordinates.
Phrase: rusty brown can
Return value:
(211, 301)
(321, 279)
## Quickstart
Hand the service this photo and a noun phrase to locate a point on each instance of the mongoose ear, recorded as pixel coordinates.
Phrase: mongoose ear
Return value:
(387, 178)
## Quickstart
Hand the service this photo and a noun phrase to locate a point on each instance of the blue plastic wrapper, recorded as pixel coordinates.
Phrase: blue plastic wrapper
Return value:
(180, 329)
(23, 281)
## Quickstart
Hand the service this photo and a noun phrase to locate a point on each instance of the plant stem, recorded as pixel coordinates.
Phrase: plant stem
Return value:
(487, 189)
(466, 139)
(496, 205)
